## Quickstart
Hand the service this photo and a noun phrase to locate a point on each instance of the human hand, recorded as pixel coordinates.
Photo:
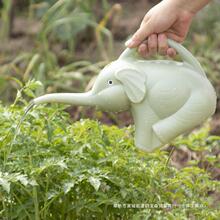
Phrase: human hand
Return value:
(165, 20)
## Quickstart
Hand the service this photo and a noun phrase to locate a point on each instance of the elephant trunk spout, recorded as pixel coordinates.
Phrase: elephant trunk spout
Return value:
(83, 99)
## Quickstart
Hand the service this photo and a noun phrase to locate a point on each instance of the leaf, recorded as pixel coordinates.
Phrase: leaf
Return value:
(123, 193)
(23, 179)
(67, 187)
(30, 86)
(67, 27)
(5, 184)
(62, 164)
(34, 84)
(31, 65)
(33, 183)
(52, 194)
(18, 96)
(17, 81)
(29, 93)
(49, 131)
(95, 182)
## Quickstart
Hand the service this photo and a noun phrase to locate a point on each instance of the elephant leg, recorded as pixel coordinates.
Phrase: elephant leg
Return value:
(144, 118)
(195, 110)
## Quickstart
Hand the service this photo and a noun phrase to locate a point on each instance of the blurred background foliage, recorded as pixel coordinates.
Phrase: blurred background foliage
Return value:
(204, 41)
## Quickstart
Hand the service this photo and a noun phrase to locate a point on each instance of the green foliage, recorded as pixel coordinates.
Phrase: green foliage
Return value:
(72, 77)
(65, 19)
(56, 169)
(61, 23)
(5, 20)
(206, 42)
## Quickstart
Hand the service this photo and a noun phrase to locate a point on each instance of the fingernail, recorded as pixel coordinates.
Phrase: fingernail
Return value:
(129, 43)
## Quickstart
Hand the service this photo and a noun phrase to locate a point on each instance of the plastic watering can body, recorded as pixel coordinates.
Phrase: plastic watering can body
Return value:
(166, 98)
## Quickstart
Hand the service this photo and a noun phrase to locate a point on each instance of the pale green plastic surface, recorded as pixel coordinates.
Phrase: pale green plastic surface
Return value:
(166, 98)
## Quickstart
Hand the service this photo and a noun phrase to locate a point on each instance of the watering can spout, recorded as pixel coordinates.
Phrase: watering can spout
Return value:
(83, 99)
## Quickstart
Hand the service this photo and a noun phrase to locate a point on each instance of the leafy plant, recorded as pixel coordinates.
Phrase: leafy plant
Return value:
(56, 169)
(62, 21)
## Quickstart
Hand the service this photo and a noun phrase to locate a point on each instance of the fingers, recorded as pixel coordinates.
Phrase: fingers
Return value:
(171, 52)
(149, 47)
(143, 49)
(162, 44)
(152, 44)
(141, 34)
(156, 44)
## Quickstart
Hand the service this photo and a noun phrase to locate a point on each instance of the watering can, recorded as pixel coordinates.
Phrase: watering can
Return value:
(166, 98)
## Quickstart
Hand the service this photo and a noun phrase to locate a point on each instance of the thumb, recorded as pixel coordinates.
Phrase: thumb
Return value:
(141, 34)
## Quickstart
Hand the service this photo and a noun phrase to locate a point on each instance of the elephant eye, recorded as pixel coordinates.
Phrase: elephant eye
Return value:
(110, 82)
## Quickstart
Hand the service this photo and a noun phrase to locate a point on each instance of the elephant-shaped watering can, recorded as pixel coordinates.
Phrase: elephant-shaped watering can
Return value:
(166, 98)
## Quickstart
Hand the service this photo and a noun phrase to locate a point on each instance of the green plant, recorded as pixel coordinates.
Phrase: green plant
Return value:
(62, 21)
(65, 19)
(56, 169)
(6, 20)
(72, 77)
(205, 36)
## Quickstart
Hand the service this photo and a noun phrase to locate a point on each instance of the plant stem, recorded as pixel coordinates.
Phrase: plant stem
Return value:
(36, 205)
(6, 20)
(170, 155)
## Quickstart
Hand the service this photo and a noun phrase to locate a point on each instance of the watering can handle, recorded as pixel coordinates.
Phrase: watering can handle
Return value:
(185, 55)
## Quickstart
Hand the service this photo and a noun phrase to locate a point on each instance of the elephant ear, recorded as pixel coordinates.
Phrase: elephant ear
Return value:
(133, 82)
